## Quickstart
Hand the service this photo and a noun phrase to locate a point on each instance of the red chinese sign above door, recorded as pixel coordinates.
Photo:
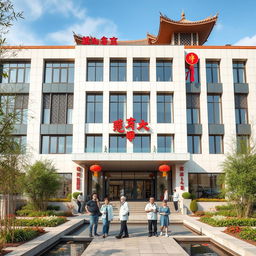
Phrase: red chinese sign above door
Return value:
(88, 40)
(118, 126)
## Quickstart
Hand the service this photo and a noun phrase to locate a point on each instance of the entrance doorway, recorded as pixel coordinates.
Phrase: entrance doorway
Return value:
(139, 186)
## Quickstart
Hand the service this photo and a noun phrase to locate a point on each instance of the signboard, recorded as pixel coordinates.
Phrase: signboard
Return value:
(118, 126)
(181, 178)
(88, 40)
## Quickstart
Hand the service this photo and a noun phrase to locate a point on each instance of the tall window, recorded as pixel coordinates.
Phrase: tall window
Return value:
(57, 108)
(214, 109)
(93, 143)
(117, 70)
(241, 108)
(95, 70)
(212, 71)
(59, 72)
(21, 140)
(196, 74)
(117, 143)
(216, 144)
(164, 108)
(239, 71)
(165, 143)
(94, 108)
(56, 144)
(141, 144)
(193, 108)
(242, 142)
(18, 72)
(194, 144)
(65, 186)
(164, 70)
(204, 185)
(141, 107)
(117, 108)
(17, 104)
(140, 70)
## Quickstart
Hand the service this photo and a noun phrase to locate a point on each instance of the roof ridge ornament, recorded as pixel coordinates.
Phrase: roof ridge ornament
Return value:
(183, 17)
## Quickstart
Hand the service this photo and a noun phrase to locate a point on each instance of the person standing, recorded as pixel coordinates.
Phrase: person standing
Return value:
(92, 207)
(107, 216)
(123, 215)
(80, 202)
(151, 209)
(164, 212)
(166, 195)
(175, 200)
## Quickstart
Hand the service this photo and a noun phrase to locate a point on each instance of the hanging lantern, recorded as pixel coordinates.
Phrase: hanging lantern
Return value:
(164, 168)
(95, 169)
(191, 59)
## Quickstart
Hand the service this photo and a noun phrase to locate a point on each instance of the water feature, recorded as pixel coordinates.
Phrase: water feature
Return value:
(69, 248)
(203, 248)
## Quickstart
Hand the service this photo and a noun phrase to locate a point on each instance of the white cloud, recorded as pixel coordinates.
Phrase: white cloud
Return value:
(218, 26)
(247, 41)
(90, 26)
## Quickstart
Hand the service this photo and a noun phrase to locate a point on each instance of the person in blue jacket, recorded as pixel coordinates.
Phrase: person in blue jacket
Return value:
(164, 212)
(107, 216)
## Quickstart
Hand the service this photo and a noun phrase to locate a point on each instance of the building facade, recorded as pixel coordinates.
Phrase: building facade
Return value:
(129, 107)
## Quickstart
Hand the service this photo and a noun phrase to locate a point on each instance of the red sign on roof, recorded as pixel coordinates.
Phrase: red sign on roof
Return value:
(88, 40)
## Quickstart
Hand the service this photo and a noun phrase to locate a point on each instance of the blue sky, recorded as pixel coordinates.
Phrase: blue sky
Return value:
(51, 22)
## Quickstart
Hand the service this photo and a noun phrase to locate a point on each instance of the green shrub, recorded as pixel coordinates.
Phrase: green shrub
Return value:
(59, 200)
(224, 207)
(229, 221)
(75, 194)
(51, 221)
(193, 206)
(22, 234)
(248, 234)
(227, 213)
(211, 200)
(69, 197)
(31, 213)
(53, 207)
(186, 195)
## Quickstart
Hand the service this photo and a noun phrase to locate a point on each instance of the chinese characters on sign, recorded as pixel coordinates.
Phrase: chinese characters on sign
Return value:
(88, 40)
(78, 178)
(118, 126)
(181, 178)
(191, 59)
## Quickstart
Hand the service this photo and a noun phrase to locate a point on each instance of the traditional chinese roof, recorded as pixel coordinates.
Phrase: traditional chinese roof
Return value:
(168, 27)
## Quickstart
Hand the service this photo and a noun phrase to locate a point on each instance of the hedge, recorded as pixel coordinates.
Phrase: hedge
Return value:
(51, 221)
(22, 234)
(224, 207)
(186, 195)
(248, 234)
(31, 213)
(229, 222)
(211, 200)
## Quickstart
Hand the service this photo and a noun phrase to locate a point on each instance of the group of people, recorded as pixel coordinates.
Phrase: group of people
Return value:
(94, 210)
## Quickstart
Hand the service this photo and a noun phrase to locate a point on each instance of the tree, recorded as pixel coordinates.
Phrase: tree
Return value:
(239, 177)
(41, 182)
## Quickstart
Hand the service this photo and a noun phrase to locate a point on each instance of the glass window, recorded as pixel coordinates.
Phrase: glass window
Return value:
(117, 144)
(239, 71)
(94, 70)
(66, 185)
(94, 108)
(14, 72)
(196, 74)
(141, 107)
(117, 70)
(212, 71)
(164, 70)
(194, 144)
(140, 70)
(117, 107)
(59, 72)
(56, 145)
(165, 143)
(93, 143)
(242, 143)
(164, 108)
(216, 144)
(141, 144)
(241, 109)
(204, 185)
(193, 108)
(214, 109)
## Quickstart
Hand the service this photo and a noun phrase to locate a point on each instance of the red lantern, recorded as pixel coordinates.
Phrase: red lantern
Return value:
(95, 169)
(164, 168)
(191, 59)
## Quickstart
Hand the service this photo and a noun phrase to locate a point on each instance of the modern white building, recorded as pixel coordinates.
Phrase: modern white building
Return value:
(71, 96)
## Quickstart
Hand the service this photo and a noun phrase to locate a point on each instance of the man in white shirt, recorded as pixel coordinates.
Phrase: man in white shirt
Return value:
(175, 200)
(152, 209)
(123, 216)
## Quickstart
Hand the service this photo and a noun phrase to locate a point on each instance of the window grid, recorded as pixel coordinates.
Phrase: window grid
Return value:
(117, 143)
(239, 74)
(140, 70)
(164, 108)
(165, 143)
(117, 108)
(241, 108)
(117, 70)
(216, 144)
(59, 72)
(94, 108)
(94, 70)
(164, 70)
(193, 108)
(214, 109)
(96, 141)
(141, 144)
(56, 144)
(194, 144)
(212, 71)
(141, 107)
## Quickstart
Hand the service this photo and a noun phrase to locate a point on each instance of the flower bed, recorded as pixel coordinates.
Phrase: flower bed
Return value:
(222, 221)
(32, 213)
(211, 200)
(246, 233)
(51, 221)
